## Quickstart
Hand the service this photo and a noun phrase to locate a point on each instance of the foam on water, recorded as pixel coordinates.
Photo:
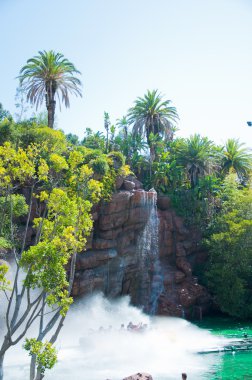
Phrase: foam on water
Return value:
(168, 347)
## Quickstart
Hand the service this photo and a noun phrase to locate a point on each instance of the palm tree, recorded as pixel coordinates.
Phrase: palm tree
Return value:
(152, 115)
(106, 127)
(198, 155)
(123, 124)
(47, 75)
(237, 158)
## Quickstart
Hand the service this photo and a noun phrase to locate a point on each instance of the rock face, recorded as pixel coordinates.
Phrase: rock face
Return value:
(116, 264)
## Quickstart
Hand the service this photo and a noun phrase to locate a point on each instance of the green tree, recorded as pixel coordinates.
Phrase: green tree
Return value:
(151, 114)
(198, 156)
(65, 192)
(46, 75)
(72, 138)
(4, 114)
(106, 127)
(123, 125)
(238, 158)
(230, 245)
(94, 140)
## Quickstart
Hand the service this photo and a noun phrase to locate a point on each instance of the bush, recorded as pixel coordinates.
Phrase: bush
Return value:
(91, 155)
(118, 159)
(99, 165)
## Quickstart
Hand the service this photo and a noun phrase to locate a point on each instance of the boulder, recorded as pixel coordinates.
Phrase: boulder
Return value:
(119, 182)
(128, 185)
(184, 266)
(138, 184)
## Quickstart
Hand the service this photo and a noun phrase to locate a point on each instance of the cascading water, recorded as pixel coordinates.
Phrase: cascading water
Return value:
(151, 284)
(93, 346)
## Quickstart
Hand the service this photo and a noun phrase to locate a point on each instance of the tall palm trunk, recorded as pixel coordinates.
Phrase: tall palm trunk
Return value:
(51, 112)
(51, 87)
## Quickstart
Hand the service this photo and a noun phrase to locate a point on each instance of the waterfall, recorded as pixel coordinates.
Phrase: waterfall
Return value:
(151, 278)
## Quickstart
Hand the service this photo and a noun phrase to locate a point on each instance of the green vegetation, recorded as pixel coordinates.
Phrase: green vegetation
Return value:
(151, 115)
(40, 168)
(230, 245)
(62, 177)
(47, 75)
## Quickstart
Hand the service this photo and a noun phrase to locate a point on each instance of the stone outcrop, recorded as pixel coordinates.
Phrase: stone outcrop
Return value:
(115, 264)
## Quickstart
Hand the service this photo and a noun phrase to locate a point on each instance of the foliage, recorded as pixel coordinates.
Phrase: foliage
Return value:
(90, 154)
(47, 75)
(99, 165)
(94, 140)
(4, 283)
(118, 159)
(46, 356)
(238, 158)
(230, 245)
(151, 114)
(4, 114)
(107, 124)
(124, 125)
(72, 138)
(198, 156)
(65, 191)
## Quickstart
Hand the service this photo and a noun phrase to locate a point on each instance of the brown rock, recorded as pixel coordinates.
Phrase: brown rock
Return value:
(138, 184)
(119, 202)
(179, 277)
(180, 250)
(119, 182)
(163, 202)
(138, 198)
(103, 244)
(128, 185)
(94, 258)
(113, 221)
(110, 234)
(138, 215)
(187, 299)
(184, 266)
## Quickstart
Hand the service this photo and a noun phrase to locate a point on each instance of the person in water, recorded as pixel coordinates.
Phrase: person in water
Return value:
(184, 376)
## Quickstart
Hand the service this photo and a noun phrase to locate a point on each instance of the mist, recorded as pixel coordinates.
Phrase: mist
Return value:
(93, 346)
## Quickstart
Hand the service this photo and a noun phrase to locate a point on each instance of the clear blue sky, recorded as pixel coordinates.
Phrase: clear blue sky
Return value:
(198, 53)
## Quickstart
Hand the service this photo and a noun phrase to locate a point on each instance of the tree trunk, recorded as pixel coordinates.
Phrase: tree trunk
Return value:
(51, 111)
(39, 375)
(32, 367)
(1, 366)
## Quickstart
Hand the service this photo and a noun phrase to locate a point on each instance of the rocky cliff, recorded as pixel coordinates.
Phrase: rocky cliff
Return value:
(144, 251)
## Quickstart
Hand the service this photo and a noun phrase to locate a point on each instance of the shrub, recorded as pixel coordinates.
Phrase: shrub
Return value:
(117, 158)
(99, 165)
(91, 155)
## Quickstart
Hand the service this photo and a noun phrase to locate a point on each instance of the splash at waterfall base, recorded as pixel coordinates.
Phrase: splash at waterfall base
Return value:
(141, 248)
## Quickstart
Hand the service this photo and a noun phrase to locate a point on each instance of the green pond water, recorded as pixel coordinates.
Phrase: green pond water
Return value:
(229, 365)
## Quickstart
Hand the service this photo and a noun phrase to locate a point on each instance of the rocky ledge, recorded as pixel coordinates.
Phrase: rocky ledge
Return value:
(115, 264)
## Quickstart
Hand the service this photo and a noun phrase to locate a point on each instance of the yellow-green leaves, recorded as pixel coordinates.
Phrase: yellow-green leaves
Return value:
(46, 355)
(4, 283)
(43, 170)
(58, 162)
